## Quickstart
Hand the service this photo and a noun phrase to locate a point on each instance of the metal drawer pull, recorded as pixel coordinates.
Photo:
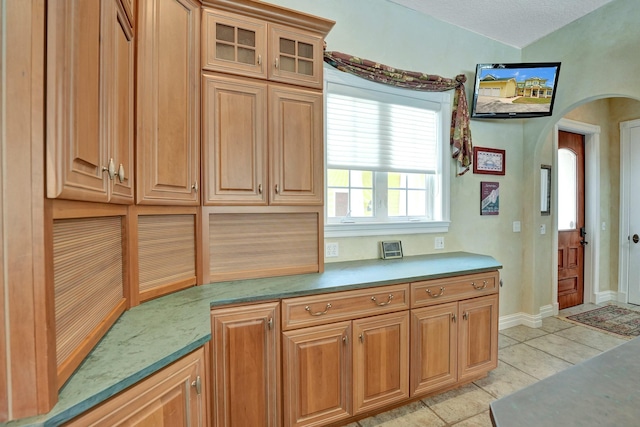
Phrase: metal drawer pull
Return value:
(320, 313)
(434, 295)
(382, 304)
(479, 288)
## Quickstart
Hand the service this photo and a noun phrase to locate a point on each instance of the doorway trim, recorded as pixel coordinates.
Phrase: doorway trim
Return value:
(591, 210)
(625, 167)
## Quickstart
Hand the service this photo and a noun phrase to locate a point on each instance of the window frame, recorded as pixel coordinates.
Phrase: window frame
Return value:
(404, 226)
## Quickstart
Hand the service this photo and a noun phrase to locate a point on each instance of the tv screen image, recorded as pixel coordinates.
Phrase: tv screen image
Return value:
(519, 90)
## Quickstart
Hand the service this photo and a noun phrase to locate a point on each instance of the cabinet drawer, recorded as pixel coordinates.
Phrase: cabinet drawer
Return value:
(337, 306)
(436, 291)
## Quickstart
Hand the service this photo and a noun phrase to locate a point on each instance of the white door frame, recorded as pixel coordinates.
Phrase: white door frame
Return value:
(591, 210)
(625, 167)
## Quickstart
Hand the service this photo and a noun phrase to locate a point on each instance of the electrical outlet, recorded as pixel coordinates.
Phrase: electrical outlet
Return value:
(330, 250)
(439, 243)
(516, 226)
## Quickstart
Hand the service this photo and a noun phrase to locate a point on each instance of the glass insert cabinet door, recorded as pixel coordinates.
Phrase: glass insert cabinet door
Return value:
(567, 189)
(297, 56)
(234, 44)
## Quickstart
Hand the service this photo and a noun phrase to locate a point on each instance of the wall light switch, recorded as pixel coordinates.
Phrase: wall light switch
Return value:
(331, 250)
(604, 226)
(439, 243)
(543, 229)
(516, 226)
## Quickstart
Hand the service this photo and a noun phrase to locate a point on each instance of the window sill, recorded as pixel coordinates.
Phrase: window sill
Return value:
(379, 229)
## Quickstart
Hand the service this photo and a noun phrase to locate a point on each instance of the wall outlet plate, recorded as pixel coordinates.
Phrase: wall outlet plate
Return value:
(439, 243)
(331, 250)
(391, 249)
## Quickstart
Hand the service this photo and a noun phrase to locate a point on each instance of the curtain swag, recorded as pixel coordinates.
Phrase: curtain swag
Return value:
(461, 147)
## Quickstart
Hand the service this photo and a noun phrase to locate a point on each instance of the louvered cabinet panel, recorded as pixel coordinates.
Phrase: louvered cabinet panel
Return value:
(166, 254)
(88, 285)
(249, 245)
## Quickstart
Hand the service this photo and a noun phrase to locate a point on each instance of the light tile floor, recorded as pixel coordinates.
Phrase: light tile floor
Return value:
(525, 356)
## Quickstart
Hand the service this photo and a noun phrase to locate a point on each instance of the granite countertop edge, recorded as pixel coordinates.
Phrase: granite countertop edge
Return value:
(140, 344)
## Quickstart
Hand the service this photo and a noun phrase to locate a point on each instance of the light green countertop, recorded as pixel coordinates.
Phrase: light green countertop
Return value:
(152, 335)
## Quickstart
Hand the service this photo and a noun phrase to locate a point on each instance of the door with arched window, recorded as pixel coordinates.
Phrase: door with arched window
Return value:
(571, 224)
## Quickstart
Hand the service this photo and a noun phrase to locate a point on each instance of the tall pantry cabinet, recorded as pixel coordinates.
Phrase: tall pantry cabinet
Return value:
(262, 148)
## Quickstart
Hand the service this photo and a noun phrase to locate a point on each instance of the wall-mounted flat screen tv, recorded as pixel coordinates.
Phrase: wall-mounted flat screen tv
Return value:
(515, 91)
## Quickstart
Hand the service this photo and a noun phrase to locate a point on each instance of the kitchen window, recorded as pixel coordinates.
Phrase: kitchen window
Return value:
(386, 167)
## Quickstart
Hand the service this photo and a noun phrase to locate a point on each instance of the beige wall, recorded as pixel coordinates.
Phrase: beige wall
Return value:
(597, 62)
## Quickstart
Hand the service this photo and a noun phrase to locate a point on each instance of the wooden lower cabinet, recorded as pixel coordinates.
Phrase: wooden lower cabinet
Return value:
(173, 397)
(317, 374)
(453, 342)
(246, 365)
(380, 361)
(328, 376)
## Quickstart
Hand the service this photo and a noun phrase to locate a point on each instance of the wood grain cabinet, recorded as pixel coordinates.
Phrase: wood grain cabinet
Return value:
(168, 102)
(262, 143)
(242, 45)
(456, 341)
(90, 95)
(246, 365)
(173, 397)
(333, 369)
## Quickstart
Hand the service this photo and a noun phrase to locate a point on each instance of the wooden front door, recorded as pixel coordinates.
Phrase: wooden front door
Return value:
(571, 224)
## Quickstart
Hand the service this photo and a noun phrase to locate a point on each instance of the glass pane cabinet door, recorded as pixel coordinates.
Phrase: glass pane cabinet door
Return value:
(234, 44)
(296, 56)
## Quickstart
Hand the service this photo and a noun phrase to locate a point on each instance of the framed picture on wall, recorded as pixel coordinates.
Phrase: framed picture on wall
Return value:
(489, 198)
(489, 161)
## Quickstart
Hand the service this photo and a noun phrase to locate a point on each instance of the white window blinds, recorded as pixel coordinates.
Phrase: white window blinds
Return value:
(379, 131)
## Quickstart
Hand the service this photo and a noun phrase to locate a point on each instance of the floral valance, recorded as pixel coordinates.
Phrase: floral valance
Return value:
(461, 146)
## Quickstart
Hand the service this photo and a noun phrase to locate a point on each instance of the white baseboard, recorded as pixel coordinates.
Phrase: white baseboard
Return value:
(606, 296)
(530, 320)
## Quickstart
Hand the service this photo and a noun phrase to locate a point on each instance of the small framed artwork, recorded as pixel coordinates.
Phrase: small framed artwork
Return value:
(391, 249)
(489, 161)
(489, 198)
(545, 190)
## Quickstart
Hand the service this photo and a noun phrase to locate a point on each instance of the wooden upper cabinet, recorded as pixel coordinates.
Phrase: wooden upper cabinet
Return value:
(234, 44)
(296, 135)
(237, 40)
(89, 101)
(235, 131)
(168, 102)
(296, 56)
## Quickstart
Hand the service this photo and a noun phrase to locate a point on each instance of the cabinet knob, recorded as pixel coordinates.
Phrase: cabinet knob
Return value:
(345, 339)
(121, 173)
(453, 318)
(259, 188)
(270, 323)
(194, 187)
(276, 63)
(197, 384)
(259, 59)
(277, 189)
(110, 169)
(465, 315)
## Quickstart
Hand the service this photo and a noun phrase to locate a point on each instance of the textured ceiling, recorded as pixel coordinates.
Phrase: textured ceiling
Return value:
(516, 23)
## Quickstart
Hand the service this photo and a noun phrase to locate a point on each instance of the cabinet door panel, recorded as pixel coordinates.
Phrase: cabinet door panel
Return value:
(317, 372)
(380, 360)
(296, 56)
(234, 44)
(246, 366)
(434, 337)
(122, 94)
(297, 159)
(168, 170)
(173, 397)
(478, 351)
(234, 128)
(76, 145)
